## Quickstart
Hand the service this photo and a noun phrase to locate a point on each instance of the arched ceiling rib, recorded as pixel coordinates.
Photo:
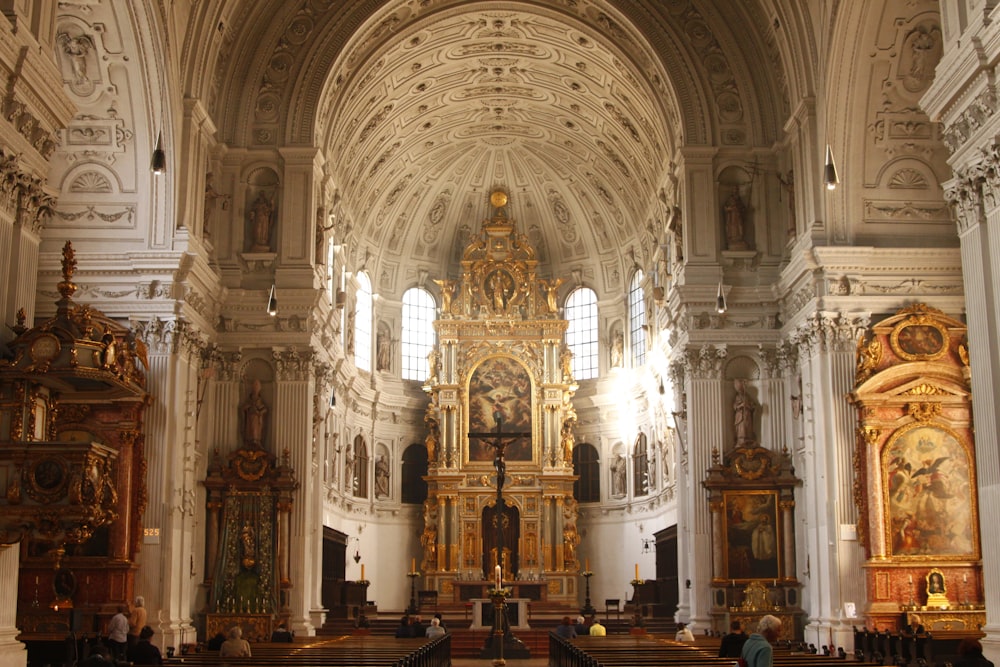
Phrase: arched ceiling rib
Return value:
(495, 96)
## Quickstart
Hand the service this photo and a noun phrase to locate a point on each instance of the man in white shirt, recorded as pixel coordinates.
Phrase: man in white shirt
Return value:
(118, 632)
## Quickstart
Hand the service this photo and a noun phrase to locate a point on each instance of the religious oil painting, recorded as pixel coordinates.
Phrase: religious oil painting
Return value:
(929, 494)
(753, 539)
(500, 394)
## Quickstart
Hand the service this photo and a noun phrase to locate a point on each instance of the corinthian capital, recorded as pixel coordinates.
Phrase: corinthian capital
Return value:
(706, 363)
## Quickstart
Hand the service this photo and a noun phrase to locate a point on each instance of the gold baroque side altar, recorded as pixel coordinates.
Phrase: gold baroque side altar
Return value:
(500, 358)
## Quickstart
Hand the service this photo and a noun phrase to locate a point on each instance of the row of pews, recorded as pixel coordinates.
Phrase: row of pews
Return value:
(647, 651)
(345, 651)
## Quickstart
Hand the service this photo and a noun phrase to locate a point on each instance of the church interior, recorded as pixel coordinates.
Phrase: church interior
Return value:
(318, 309)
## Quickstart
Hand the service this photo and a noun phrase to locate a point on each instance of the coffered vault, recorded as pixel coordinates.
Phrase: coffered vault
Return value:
(578, 108)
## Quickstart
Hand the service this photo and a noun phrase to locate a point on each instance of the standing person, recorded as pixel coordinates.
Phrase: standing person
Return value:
(235, 646)
(757, 650)
(732, 644)
(136, 620)
(143, 652)
(684, 634)
(118, 633)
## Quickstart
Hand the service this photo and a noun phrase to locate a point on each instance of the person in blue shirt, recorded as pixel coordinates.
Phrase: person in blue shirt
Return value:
(757, 651)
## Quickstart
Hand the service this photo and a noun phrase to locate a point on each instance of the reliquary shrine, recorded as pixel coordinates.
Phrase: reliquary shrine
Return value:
(915, 456)
(72, 465)
(501, 370)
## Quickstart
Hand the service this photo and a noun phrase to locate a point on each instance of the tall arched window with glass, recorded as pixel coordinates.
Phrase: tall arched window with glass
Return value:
(331, 284)
(418, 332)
(581, 334)
(587, 468)
(640, 467)
(363, 324)
(637, 320)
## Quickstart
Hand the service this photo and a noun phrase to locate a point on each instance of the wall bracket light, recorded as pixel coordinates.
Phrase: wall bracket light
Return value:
(830, 177)
(272, 303)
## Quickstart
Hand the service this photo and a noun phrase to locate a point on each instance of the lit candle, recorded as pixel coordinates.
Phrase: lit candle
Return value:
(910, 577)
(36, 579)
(413, 565)
(496, 571)
(965, 578)
(637, 572)
(586, 565)
(362, 572)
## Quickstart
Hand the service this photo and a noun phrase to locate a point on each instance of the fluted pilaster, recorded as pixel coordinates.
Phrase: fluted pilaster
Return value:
(12, 652)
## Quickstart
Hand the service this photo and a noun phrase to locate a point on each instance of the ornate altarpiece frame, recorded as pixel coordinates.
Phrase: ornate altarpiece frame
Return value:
(915, 468)
(752, 501)
(500, 348)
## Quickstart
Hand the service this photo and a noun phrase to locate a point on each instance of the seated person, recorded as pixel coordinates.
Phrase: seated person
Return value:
(597, 630)
(404, 630)
(970, 654)
(100, 656)
(565, 629)
(235, 646)
(915, 627)
(281, 634)
(732, 644)
(683, 634)
(143, 652)
(440, 619)
(434, 630)
(215, 643)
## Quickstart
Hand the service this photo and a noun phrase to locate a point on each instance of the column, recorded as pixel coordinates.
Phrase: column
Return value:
(12, 652)
(703, 383)
(293, 410)
(787, 507)
(980, 247)
(826, 346)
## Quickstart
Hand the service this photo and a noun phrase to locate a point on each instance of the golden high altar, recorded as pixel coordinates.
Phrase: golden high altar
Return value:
(501, 358)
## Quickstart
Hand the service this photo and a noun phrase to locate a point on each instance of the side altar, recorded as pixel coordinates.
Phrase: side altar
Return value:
(501, 363)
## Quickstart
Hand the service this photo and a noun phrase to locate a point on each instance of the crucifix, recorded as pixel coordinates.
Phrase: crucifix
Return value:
(499, 441)
(501, 627)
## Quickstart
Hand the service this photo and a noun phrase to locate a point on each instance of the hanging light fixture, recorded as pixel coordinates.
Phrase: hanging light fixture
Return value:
(159, 162)
(720, 300)
(272, 303)
(830, 176)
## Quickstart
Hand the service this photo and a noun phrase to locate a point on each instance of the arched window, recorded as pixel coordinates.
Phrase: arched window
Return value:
(587, 467)
(414, 469)
(637, 320)
(331, 284)
(360, 467)
(581, 335)
(418, 332)
(363, 324)
(640, 467)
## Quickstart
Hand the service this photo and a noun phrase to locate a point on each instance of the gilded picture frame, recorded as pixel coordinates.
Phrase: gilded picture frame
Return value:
(929, 498)
(753, 536)
(500, 386)
(920, 338)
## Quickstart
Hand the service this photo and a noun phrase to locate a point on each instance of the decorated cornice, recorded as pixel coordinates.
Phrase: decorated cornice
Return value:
(975, 115)
(171, 336)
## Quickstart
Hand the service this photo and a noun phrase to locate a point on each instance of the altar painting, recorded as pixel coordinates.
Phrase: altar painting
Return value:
(928, 486)
(500, 388)
(752, 535)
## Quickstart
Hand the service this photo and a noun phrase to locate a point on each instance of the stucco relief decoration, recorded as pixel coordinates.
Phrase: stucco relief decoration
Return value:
(919, 56)
(78, 61)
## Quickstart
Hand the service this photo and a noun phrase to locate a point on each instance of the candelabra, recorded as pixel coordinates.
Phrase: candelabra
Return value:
(499, 597)
(412, 609)
(588, 609)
